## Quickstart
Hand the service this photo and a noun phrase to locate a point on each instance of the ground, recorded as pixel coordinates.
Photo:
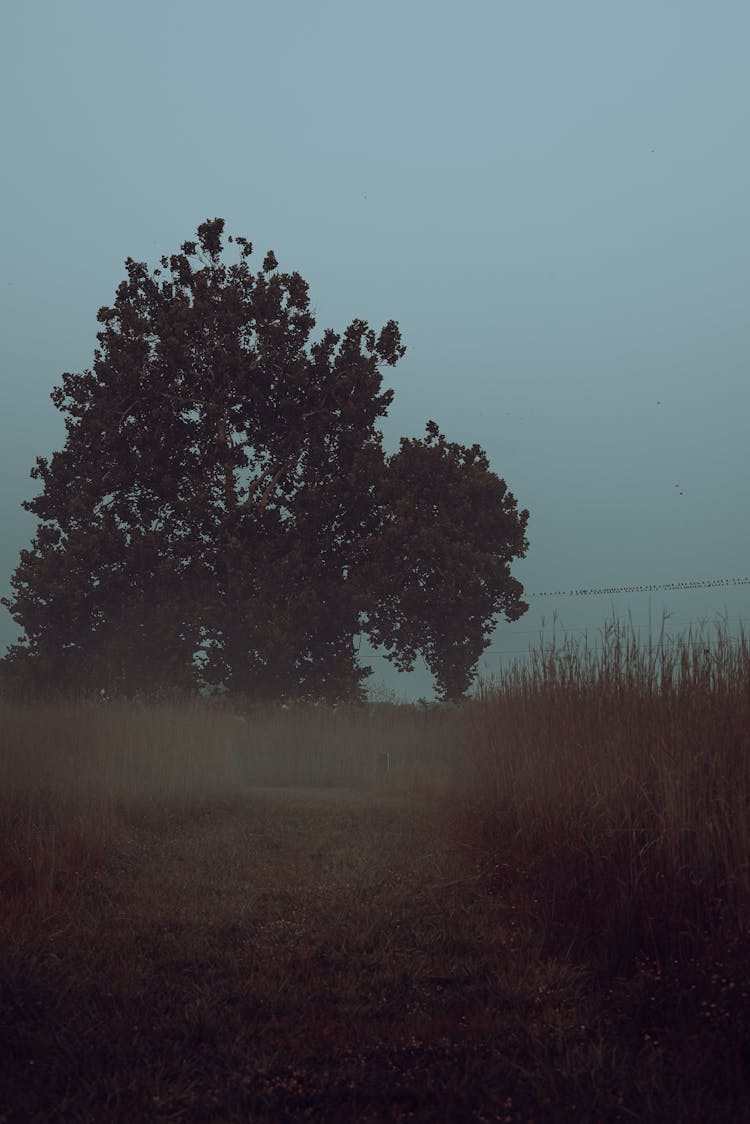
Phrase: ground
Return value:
(322, 954)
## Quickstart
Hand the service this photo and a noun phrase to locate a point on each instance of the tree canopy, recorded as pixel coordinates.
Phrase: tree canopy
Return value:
(223, 514)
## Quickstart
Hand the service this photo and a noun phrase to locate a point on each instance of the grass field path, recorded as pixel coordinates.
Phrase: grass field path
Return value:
(302, 954)
(296, 954)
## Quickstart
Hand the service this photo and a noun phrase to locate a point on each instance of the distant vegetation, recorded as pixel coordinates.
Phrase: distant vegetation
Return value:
(223, 515)
(540, 912)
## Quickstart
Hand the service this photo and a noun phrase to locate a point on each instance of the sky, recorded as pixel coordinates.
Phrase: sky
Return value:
(551, 199)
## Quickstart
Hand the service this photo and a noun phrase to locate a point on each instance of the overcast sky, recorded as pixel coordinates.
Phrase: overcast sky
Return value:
(550, 198)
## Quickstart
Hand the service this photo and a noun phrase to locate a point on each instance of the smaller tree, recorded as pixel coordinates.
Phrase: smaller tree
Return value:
(450, 529)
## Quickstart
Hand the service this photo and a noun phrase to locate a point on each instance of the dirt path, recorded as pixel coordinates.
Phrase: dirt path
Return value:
(296, 955)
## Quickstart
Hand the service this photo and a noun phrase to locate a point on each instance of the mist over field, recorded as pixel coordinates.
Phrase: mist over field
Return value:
(534, 906)
(238, 880)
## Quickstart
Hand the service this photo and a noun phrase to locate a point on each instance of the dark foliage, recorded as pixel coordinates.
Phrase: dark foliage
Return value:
(223, 514)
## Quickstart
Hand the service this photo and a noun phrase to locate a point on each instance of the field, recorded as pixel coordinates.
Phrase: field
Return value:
(539, 913)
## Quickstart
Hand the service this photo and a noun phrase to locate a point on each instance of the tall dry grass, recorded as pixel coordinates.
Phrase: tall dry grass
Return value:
(609, 788)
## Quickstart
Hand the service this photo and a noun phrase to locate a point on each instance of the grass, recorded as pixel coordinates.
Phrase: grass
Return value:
(539, 913)
(618, 782)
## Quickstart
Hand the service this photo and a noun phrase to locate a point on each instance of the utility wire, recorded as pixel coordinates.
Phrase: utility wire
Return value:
(710, 583)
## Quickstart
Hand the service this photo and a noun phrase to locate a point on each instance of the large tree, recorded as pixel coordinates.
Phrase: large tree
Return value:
(223, 512)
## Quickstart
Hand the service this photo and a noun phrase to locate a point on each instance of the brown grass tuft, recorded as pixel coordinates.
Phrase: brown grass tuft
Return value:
(611, 789)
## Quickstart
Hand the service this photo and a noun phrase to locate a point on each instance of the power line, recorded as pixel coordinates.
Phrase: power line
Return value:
(711, 583)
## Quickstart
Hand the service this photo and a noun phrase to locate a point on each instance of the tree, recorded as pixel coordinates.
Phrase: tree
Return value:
(223, 512)
(448, 532)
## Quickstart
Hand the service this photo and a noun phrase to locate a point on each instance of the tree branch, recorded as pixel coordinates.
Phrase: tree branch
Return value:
(265, 498)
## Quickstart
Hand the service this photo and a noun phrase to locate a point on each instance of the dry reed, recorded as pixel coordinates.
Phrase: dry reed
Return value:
(610, 785)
